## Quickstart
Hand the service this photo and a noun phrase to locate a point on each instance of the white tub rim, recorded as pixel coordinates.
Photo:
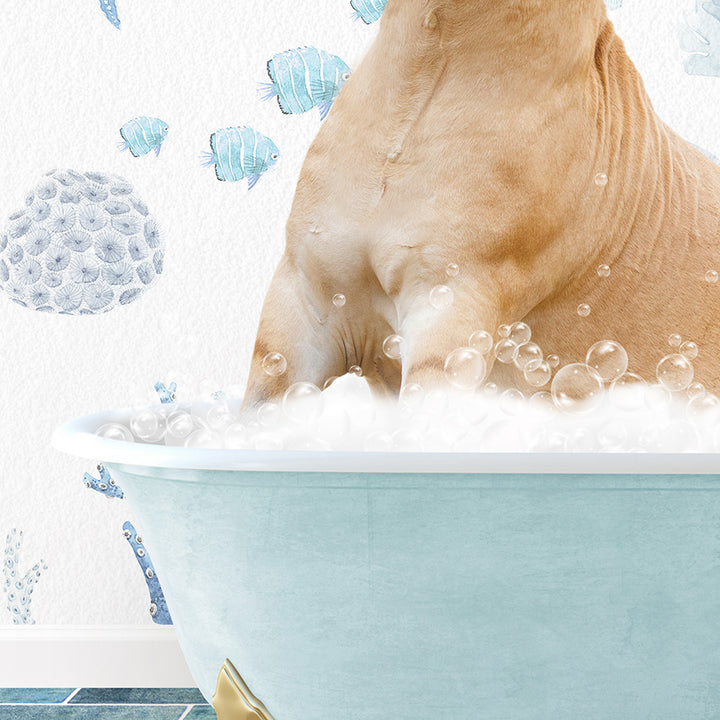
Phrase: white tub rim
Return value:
(77, 437)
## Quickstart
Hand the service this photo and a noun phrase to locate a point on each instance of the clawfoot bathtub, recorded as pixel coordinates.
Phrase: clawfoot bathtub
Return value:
(359, 586)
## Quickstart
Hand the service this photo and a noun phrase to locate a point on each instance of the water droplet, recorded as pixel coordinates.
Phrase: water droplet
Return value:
(608, 358)
(553, 361)
(115, 431)
(452, 269)
(603, 271)
(339, 300)
(675, 372)
(537, 373)
(302, 402)
(481, 341)
(441, 297)
(577, 388)
(689, 350)
(601, 179)
(711, 276)
(394, 346)
(274, 364)
(527, 352)
(465, 368)
(583, 310)
(674, 340)
(506, 351)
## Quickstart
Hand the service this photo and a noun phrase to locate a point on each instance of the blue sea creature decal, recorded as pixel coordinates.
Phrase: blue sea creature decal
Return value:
(305, 78)
(240, 152)
(158, 606)
(699, 36)
(143, 134)
(108, 7)
(19, 588)
(369, 10)
(105, 485)
(614, 4)
(167, 394)
(83, 244)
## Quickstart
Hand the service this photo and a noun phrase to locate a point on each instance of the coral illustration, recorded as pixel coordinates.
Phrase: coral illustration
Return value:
(108, 7)
(700, 37)
(83, 244)
(613, 4)
(158, 606)
(19, 589)
(167, 394)
(105, 485)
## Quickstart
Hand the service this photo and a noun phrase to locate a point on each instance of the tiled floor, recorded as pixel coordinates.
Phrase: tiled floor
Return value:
(104, 704)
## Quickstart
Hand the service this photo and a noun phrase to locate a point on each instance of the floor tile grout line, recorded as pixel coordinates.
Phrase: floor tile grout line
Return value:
(186, 712)
(70, 696)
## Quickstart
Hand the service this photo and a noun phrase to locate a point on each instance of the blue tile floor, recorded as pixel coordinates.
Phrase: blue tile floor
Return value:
(104, 704)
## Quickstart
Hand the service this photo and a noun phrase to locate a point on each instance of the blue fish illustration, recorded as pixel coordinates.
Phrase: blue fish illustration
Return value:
(158, 605)
(305, 78)
(108, 7)
(142, 135)
(167, 394)
(368, 10)
(240, 152)
(105, 485)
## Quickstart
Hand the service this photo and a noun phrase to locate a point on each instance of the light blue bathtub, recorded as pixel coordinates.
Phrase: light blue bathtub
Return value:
(436, 587)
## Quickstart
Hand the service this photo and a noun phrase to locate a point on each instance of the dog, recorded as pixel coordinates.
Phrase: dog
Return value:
(515, 139)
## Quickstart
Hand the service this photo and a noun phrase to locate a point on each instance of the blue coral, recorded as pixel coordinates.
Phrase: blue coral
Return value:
(105, 485)
(699, 36)
(18, 587)
(84, 243)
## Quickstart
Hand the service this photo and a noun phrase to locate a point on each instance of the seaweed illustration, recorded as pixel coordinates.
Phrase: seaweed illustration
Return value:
(699, 36)
(19, 588)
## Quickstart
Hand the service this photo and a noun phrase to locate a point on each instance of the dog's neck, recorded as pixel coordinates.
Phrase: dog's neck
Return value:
(546, 39)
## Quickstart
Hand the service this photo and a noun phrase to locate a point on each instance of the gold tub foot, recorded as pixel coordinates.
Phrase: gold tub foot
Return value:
(233, 700)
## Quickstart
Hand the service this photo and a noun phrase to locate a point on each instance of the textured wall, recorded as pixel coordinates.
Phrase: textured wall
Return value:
(70, 81)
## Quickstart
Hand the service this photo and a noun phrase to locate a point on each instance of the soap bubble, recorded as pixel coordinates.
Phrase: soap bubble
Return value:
(577, 388)
(147, 425)
(520, 333)
(481, 341)
(302, 402)
(219, 416)
(329, 382)
(608, 358)
(526, 353)
(601, 179)
(378, 441)
(355, 370)
(628, 391)
(202, 438)
(269, 414)
(465, 368)
(613, 436)
(236, 436)
(180, 424)
(503, 331)
(580, 440)
(512, 402)
(506, 351)
(441, 297)
(274, 364)
(452, 269)
(490, 389)
(702, 404)
(541, 403)
(412, 395)
(338, 300)
(115, 431)
(603, 271)
(267, 441)
(553, 361)
(394, 346)
(537, 373)
(583, 310)
(405, 440)
(689, 350)
(674, 340)
(711, 276)
(657, 397)
(675, 372)
(695, 389)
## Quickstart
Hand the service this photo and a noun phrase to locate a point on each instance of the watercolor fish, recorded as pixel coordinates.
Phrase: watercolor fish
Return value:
(305, 78)
(108, 7)
(367, 10)
(158, 605)
(240, 152)
(105, 485)
(18, 589)
(143, 134)
(167, 394)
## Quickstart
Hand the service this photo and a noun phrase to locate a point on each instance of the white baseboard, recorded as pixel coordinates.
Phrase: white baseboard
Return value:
(46, 656)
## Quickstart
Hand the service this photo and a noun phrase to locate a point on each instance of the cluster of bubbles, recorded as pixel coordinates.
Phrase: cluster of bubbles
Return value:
(598, 405)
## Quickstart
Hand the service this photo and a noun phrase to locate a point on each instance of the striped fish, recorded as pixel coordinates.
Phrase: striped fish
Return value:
(240, 152)
(368, 10)
(142, 135)
(108, 7)
(305, 78)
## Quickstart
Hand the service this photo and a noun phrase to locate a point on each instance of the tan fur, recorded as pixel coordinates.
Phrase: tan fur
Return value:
(472, 133)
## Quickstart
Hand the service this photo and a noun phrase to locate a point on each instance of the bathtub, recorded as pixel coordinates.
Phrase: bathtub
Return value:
(360, 586)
